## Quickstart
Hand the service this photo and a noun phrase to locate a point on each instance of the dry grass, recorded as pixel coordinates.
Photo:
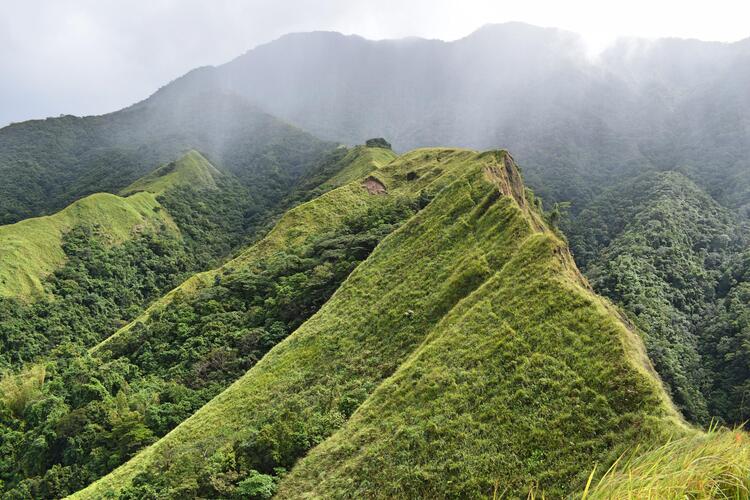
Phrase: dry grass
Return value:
(715, 464)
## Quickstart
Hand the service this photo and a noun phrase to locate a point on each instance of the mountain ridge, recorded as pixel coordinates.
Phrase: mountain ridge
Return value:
(351, 350)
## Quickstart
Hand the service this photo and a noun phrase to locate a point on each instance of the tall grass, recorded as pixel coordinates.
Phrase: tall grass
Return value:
(17, 390)
(715, 464)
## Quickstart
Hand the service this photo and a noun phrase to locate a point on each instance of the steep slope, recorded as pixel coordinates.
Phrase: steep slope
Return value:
(80, 274)
(47, 164)
(660, 247)
(162, 367)
(295, 228)
(32, 249)
(469, 318)
(578, 124)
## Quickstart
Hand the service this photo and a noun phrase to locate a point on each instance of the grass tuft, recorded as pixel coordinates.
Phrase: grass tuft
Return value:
(715, 464)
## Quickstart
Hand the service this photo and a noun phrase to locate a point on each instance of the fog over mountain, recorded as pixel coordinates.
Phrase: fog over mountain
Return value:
(662, 104)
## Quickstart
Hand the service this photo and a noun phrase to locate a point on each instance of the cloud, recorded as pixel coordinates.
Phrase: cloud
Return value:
(94, 56)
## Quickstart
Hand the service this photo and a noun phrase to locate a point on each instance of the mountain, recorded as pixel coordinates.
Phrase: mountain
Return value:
(32, 249)
(671, 256)
(274, 315)
(47, 164)
(464, 355)
(192, 170)
(423, 322)
(78, 274)
(188, 346)
(578, 124)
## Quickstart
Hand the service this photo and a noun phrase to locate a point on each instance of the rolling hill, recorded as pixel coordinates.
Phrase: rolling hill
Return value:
(435, 369)
(189, 345)
(32, 249)
(47, 164)
(78, 274)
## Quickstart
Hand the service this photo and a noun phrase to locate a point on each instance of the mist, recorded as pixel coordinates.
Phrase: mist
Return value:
(91, 57)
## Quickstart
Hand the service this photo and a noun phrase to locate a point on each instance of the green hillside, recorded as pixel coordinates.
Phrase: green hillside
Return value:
(672, 257)
(190, 346)
(190, 170)
(360, 161)
(293, 229)
(32, 249)
(82, 273)
(436, 367)
(47, 164)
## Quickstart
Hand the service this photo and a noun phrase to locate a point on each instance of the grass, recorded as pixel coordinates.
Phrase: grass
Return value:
(32, 249)
(360, 161)
(190, 170)
(715, 464)
(300, 224)
(472, 353)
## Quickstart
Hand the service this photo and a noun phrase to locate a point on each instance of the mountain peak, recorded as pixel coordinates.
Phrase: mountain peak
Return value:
(192, 169)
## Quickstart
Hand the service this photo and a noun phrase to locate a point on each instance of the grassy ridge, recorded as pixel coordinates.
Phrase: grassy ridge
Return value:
(191, 170)
(472, 298)
(360, 161)
(295, 226)
(32, 249)
(186, 355)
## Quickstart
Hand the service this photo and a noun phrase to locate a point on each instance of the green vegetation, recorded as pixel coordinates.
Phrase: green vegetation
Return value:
(33, 249)
(420, 331)
(667, 253)
(99, 288)
(149, 378)
(725, 343)
(192, 170)
(339, 167)
(80, 274)
(471, 313)
(711, 465)
(47, 164)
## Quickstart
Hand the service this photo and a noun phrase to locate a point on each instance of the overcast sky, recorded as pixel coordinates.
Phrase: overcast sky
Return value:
(94, 56)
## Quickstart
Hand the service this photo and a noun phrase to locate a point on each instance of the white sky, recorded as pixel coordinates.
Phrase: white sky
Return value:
(93, 56)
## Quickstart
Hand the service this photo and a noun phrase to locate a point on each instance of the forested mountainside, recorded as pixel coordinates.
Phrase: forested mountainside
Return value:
(79, 274)
(677, 261)
(47, 164)
(199, 299)
(466, 356)
(576, 123)
(666, 112)
(77, 415)
(240, 372)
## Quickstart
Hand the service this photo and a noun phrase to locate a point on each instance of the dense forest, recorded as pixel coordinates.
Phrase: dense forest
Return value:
(673, 258)
(46, 164)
